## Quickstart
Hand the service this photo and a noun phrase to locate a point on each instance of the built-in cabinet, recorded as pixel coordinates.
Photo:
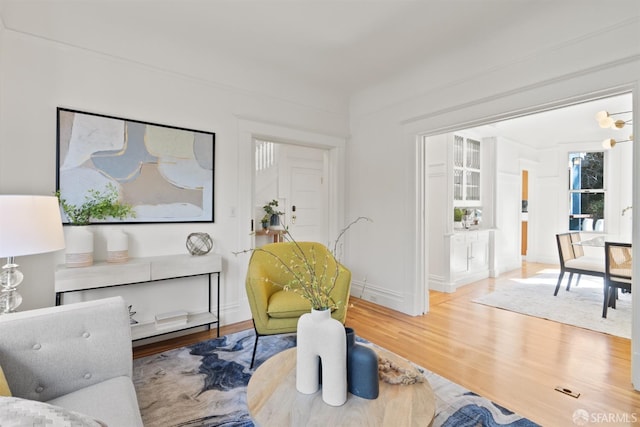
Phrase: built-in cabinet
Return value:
(468, 256)
(461, 207)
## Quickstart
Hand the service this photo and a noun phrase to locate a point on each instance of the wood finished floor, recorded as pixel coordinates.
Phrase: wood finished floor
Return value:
(512, 359)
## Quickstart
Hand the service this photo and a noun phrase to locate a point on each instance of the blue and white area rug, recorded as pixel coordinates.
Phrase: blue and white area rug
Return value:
(205, 385)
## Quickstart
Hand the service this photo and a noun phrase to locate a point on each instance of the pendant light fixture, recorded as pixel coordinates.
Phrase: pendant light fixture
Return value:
(609, 143)
(605, 120)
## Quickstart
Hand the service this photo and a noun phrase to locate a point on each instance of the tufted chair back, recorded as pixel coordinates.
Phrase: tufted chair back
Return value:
(50, 352)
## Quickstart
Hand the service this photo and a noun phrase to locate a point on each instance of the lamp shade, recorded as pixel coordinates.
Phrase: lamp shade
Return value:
(29, 225)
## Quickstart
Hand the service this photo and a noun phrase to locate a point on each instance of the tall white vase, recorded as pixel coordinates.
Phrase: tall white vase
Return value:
(117, 246)
(322, 339)
(78, 246)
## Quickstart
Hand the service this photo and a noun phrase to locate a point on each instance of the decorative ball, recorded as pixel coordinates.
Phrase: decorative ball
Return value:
(199, 243)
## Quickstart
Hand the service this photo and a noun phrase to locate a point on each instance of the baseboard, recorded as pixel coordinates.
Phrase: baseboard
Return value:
(437, 283)
(378, 295)
(235, 313)
(543, 258)
(471, 278)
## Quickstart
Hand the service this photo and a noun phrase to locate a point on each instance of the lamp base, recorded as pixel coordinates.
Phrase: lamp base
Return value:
(9, 301)
(10, 278)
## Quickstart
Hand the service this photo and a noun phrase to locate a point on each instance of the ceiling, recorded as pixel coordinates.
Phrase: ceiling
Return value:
(338, 45)
(571, 124)
(341, 46)
(344, 45)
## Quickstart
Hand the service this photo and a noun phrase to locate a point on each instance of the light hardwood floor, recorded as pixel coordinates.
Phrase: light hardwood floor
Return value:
(512, 359)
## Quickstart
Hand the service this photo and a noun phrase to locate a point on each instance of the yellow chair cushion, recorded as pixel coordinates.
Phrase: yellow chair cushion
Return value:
(4, 386)
(286, 304)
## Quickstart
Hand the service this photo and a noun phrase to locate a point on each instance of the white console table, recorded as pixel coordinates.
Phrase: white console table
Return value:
(145, 270)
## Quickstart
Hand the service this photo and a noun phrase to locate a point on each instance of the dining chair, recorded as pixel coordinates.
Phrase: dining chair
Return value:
(574, 261)
(599, 225)
(587, 224)
(618, 260)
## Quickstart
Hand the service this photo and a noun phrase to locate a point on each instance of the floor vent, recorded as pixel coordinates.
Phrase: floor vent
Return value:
(567, 391)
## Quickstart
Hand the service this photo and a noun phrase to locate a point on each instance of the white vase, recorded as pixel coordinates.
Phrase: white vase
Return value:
(322, 339)
(78, 246)
(117, 246)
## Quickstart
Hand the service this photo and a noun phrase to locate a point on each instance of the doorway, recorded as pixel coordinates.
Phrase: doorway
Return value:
(526, 163)
(524, 217)
(296, 177)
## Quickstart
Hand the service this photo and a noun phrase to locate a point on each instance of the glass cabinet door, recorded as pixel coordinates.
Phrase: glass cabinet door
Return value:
(472, 185)
(458, 151)
(473, 154)
(457, 184)
(466, 170)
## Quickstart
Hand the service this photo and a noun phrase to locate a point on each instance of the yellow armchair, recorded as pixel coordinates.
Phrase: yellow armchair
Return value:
(276, 311)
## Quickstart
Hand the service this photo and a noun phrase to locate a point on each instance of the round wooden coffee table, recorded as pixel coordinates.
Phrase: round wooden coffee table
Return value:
(274, 401)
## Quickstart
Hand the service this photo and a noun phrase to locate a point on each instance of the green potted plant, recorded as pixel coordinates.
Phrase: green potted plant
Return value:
(97, 205)
(272, 215)
(458, 214)
(265, 220)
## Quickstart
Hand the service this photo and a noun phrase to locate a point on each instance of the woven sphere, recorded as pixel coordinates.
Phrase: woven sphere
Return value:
(199, 243)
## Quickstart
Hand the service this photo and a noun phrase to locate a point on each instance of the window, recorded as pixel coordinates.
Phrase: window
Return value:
(586, 191)
(265, 154)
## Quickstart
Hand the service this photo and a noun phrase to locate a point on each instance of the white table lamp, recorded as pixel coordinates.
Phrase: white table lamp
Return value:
(28, 225)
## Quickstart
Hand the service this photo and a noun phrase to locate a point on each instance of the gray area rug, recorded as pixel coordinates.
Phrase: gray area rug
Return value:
(205, 385)
(581, 306)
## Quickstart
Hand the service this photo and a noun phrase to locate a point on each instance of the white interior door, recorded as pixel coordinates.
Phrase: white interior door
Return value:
(304, 190)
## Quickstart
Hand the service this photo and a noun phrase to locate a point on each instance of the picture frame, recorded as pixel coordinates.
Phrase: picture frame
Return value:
(165, 173)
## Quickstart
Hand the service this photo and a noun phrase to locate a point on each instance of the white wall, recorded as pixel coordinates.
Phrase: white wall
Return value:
(507, 243)
(37, 75)
(440, 214)
(619, 184)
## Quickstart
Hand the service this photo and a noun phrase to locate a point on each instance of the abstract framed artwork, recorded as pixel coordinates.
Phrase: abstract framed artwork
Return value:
(165, 173)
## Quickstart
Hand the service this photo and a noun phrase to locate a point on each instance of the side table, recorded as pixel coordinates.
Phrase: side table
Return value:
(274, 401)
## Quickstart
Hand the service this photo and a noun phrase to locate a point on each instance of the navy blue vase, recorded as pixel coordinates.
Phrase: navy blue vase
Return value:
(274, 220)
(362, 368)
